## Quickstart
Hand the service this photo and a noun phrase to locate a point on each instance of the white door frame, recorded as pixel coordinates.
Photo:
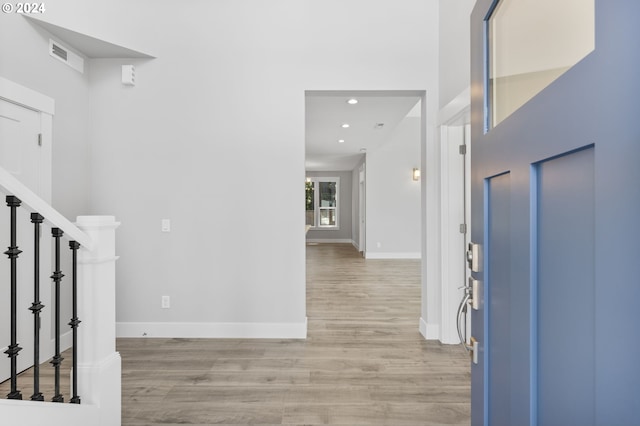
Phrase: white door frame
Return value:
(453, 120)
(30, 99)
(362, 226)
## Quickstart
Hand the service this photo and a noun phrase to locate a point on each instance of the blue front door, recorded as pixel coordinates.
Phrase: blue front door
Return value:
(556, 210)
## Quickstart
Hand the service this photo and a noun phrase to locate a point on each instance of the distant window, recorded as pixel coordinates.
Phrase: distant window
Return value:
(321, 202)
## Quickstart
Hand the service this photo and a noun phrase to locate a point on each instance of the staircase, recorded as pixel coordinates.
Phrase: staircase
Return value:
(96, 373)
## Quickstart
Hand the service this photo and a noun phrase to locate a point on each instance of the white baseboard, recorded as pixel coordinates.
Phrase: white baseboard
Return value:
(429, 331)
(330, 240)
(227, 330)
(393, 255)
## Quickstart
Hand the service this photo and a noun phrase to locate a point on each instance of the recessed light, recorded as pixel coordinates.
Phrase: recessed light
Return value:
(352, 101)
(340, 140)
(345, 126)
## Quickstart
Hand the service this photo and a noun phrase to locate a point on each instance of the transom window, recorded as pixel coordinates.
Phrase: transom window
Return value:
(321, 202)
(530, 44)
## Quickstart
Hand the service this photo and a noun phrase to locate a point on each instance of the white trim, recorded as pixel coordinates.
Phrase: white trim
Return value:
(451, 120)
(354, 244)
(452, 241)
(429, 331)
(330, 240)
(213, 330)
(28, 98)
(411, 255)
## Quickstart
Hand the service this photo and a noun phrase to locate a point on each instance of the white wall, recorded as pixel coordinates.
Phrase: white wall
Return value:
(455, 48)
(454, 79)
(24, 59)
(343, 234)
(213, 133)
(393, 198)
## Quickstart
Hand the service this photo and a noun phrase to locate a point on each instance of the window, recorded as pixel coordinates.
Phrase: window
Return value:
(321, 202)
(530, 44)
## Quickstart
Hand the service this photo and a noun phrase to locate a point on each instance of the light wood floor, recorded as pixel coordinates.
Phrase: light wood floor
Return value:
(363, 363)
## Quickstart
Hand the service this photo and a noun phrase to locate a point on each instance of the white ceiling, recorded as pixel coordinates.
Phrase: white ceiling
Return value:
(326, 111)
(89, 46)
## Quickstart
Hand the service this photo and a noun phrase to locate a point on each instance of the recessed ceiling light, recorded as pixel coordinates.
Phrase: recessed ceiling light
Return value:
(352, 101)
(345, 126)
(340, 140)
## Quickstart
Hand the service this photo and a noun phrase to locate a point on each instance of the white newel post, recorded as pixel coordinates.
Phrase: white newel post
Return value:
(99, 365)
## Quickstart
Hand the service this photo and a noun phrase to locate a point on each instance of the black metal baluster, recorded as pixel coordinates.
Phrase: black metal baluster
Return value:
(57, 278)
(74, 246)
(36, 307)
(13, 252)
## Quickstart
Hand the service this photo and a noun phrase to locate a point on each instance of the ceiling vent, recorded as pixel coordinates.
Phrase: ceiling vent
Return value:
(64, 54)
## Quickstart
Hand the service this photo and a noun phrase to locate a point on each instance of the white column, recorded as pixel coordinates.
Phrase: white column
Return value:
(99, 365)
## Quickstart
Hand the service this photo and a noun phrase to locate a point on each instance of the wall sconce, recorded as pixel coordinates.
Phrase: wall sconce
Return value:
(416, 174)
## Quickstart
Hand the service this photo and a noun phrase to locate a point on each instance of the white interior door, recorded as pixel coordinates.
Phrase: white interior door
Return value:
(20, 155)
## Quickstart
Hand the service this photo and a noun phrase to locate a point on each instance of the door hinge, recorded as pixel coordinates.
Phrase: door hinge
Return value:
(463, 149)
(463, 228)
(39, 139)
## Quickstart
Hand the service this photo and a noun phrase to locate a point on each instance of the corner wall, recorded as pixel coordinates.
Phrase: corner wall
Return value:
(393, 198)
(455, 48)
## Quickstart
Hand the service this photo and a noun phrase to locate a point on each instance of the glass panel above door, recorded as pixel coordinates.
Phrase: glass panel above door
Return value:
(530, 44)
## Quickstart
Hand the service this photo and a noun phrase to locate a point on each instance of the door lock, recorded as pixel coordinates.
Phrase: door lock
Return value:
(474, 254)
(474, 289)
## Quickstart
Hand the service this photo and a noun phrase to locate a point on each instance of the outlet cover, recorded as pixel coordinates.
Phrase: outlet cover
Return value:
(166, 302)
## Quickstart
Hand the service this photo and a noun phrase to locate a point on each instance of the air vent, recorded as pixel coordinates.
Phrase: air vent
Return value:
(378, 126)
(64, 54)
(59, 52)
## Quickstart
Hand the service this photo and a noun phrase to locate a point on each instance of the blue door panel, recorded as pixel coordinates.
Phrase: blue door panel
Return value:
(574, 224)
(565, 293)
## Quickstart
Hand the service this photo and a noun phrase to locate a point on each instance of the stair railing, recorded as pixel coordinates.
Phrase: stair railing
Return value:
(96, 364)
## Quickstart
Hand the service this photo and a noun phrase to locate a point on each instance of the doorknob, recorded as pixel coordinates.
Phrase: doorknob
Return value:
(474, 257)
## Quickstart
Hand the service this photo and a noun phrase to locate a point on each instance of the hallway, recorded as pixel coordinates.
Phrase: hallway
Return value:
(364, 361)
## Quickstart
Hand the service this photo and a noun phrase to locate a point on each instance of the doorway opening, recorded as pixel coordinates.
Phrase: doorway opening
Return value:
(370, 142)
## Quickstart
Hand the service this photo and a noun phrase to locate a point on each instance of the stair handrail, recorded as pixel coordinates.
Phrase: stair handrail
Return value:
(31, 201)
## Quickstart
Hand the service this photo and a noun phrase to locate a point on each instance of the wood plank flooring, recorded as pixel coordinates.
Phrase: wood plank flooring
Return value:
(363, 363)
